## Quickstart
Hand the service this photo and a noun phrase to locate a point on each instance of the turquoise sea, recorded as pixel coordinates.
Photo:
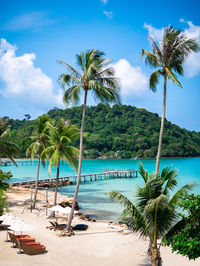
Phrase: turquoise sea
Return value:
(92, 194)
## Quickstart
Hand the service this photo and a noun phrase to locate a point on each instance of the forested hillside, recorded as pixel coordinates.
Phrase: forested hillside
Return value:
(122, 131)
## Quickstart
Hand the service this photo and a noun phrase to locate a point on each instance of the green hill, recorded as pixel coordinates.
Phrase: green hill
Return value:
(129, 130)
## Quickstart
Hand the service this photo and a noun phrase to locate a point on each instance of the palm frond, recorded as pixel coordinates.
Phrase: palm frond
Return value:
(143, 172)
(178, 195)
(154, 79)
(72, 94)
(150, 58)
(72, 70)
(172, 76)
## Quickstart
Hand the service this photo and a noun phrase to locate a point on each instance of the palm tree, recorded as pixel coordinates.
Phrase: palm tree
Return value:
(169, 59)
(39, 144)
(93, 75)
(7, 149)
(60, 148)
(154, 213)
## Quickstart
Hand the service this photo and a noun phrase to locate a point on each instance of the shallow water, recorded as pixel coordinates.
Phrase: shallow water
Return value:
(92, 194)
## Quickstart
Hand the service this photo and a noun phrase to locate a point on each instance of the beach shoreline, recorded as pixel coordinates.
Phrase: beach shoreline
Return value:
(99, 245)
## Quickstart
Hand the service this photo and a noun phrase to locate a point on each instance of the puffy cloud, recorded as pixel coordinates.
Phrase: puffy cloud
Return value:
(156, 34)
(32, 20)
(192, 62)
(109, 14)
(23, 81)
(133, 81)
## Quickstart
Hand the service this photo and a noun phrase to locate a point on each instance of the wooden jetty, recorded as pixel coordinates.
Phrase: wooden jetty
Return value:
(63, 181)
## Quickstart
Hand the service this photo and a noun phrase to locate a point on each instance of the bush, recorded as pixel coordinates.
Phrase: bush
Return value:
(186, 240)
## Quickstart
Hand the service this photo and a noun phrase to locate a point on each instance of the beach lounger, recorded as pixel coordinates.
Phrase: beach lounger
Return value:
(81, 227)
(31, 248)
(13, 237)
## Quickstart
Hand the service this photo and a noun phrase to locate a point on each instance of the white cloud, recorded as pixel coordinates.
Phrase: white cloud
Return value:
(156, 34)
(32, 20)
(23, 81)
(104, 1)
(192, 62)
(109, 14)
(133, 81)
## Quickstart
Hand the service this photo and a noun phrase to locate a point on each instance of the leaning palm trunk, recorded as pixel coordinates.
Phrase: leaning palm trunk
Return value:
(36, 183)
(57, 178)
(155, 259)
(161, 127)
(79, 165)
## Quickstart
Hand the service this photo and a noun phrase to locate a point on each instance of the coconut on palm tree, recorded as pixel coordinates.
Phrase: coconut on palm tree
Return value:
(93, 75)
(154, 212)
(36, 148)
(168, 58)
(7, 149)
(60, 147)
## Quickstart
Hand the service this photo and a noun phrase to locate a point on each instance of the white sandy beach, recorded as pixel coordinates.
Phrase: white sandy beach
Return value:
(102, 244)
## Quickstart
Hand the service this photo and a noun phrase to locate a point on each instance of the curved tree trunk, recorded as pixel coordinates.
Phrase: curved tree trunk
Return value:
(161, 127)
(79, 164)
(36, 183)
(56, 188)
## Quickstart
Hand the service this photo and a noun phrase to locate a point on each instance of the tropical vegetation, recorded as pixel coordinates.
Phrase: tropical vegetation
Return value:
(4, 185)
(185, 238)
(93, 75)
(132, 131)
(154, 212)
(7, 149)
(169, 59)
(60, 147)
(37, 146)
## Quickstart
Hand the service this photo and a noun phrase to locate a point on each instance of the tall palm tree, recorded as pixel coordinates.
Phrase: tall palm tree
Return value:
(93, 75)
(7, 149)
(169, 59)
(60, 147)
(36, 148)
(154, 213)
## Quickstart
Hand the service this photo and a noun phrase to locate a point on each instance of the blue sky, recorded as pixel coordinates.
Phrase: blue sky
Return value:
(34, 34)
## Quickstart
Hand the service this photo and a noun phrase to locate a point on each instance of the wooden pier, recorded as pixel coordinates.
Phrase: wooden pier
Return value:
(108, 174)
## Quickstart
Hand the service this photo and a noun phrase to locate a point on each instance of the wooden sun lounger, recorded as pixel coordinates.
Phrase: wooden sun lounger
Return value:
(13, 237)
(31, 248)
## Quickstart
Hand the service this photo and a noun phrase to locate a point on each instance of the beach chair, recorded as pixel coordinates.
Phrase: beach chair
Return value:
(13, 237)
(31, 248)
(25, 239)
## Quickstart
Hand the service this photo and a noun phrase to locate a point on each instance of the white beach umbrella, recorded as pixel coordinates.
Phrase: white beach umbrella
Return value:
(67, 210)
(20, 226)
(7, 215)
(56, 208)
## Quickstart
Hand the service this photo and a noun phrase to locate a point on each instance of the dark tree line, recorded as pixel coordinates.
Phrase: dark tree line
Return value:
(125, 131)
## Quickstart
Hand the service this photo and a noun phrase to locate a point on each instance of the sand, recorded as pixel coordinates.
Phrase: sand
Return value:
(102, 244)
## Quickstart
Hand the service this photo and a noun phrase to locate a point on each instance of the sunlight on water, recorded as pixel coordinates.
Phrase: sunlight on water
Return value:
(92, 194)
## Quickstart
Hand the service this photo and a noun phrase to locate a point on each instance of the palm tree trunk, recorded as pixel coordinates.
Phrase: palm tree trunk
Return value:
(161, 127)
(36, 183)
(79, 164)
(56, 188)
(156, 259)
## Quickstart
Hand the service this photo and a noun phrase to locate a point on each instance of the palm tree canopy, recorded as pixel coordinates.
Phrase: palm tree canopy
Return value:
(153, 203)
(7, 149)
(169, 56)
(60, 144)
(94, 74)
(41, 137)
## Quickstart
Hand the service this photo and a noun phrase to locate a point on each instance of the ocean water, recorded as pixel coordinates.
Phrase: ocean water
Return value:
(92, 197)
